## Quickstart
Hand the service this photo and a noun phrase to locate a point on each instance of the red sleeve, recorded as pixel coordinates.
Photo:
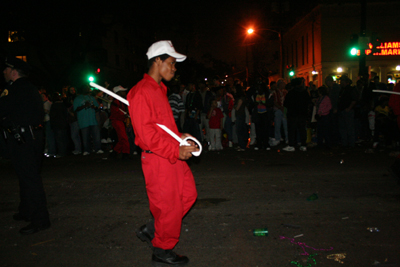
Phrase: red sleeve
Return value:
(149, 136)
(116, 113)
(231, 104)
(220, 114)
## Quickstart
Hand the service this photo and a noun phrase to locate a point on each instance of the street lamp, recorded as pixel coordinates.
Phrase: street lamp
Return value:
(250, 31)
(281, 70)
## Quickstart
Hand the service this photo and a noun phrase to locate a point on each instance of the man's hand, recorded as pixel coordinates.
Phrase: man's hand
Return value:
(188, 135)
(185, 152)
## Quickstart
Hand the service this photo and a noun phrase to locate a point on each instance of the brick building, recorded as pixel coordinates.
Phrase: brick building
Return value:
(319, 44)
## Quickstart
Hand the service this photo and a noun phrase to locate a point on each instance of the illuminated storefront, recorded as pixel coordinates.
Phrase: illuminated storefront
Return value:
(318, 45)
(385, 49)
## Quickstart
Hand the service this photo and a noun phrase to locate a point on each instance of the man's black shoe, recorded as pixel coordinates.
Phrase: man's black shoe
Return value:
(31, 229)
(19, 217)
(146, 234)
(162, 258)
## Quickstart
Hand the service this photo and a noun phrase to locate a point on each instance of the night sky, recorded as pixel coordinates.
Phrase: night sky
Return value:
(196, 27)
(210, 27)
(206, 31)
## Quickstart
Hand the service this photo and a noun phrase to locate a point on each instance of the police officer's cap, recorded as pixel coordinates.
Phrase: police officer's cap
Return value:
(18, 64)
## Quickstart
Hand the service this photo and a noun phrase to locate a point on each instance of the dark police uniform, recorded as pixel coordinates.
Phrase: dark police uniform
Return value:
(21, 114)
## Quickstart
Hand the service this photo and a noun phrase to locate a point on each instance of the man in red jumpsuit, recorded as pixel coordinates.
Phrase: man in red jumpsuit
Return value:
(169, 181)
(119, 115)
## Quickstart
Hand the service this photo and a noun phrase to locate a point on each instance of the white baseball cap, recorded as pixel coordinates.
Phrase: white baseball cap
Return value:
(164, 47)
(118, 88)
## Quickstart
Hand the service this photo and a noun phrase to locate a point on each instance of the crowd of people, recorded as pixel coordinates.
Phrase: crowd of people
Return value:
(86, 122)
(226, 114)
(264, 115)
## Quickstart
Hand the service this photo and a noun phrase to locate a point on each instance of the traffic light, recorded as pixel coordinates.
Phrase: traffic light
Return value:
(354, 48)
(291, 71)
(93, 75)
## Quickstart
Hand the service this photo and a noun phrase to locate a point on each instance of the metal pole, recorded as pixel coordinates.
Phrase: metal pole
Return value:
(281, 54)
(247, 63)
(362, 72)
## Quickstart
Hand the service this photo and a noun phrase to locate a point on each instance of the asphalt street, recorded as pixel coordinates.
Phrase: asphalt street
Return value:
(96, 204)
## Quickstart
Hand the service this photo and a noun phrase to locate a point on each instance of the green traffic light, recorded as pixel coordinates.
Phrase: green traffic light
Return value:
(91, 79)
(353, 51)
(291, 73)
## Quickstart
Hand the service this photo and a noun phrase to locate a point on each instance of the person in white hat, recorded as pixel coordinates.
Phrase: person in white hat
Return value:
(170, 184)
(120, 120)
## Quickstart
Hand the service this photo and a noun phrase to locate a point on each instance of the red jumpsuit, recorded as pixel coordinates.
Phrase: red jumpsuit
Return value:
(118, 122)
(170, 184)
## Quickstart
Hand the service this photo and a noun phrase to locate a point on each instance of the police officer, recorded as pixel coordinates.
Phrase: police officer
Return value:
(21, 114)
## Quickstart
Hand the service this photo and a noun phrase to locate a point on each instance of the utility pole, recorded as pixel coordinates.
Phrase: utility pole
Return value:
(281, 67)
(363, 72)
(247, 66)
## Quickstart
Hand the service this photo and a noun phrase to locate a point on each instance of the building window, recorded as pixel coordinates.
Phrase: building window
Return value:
(302, 50)
(296, 54)
(14, 36)
(292, 55)
(116, 37)
(117, 60)
(287, 56)
(22, 58)
(307, 48)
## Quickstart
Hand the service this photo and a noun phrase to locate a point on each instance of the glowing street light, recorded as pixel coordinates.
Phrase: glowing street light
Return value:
(251, 31)
(339, 69)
